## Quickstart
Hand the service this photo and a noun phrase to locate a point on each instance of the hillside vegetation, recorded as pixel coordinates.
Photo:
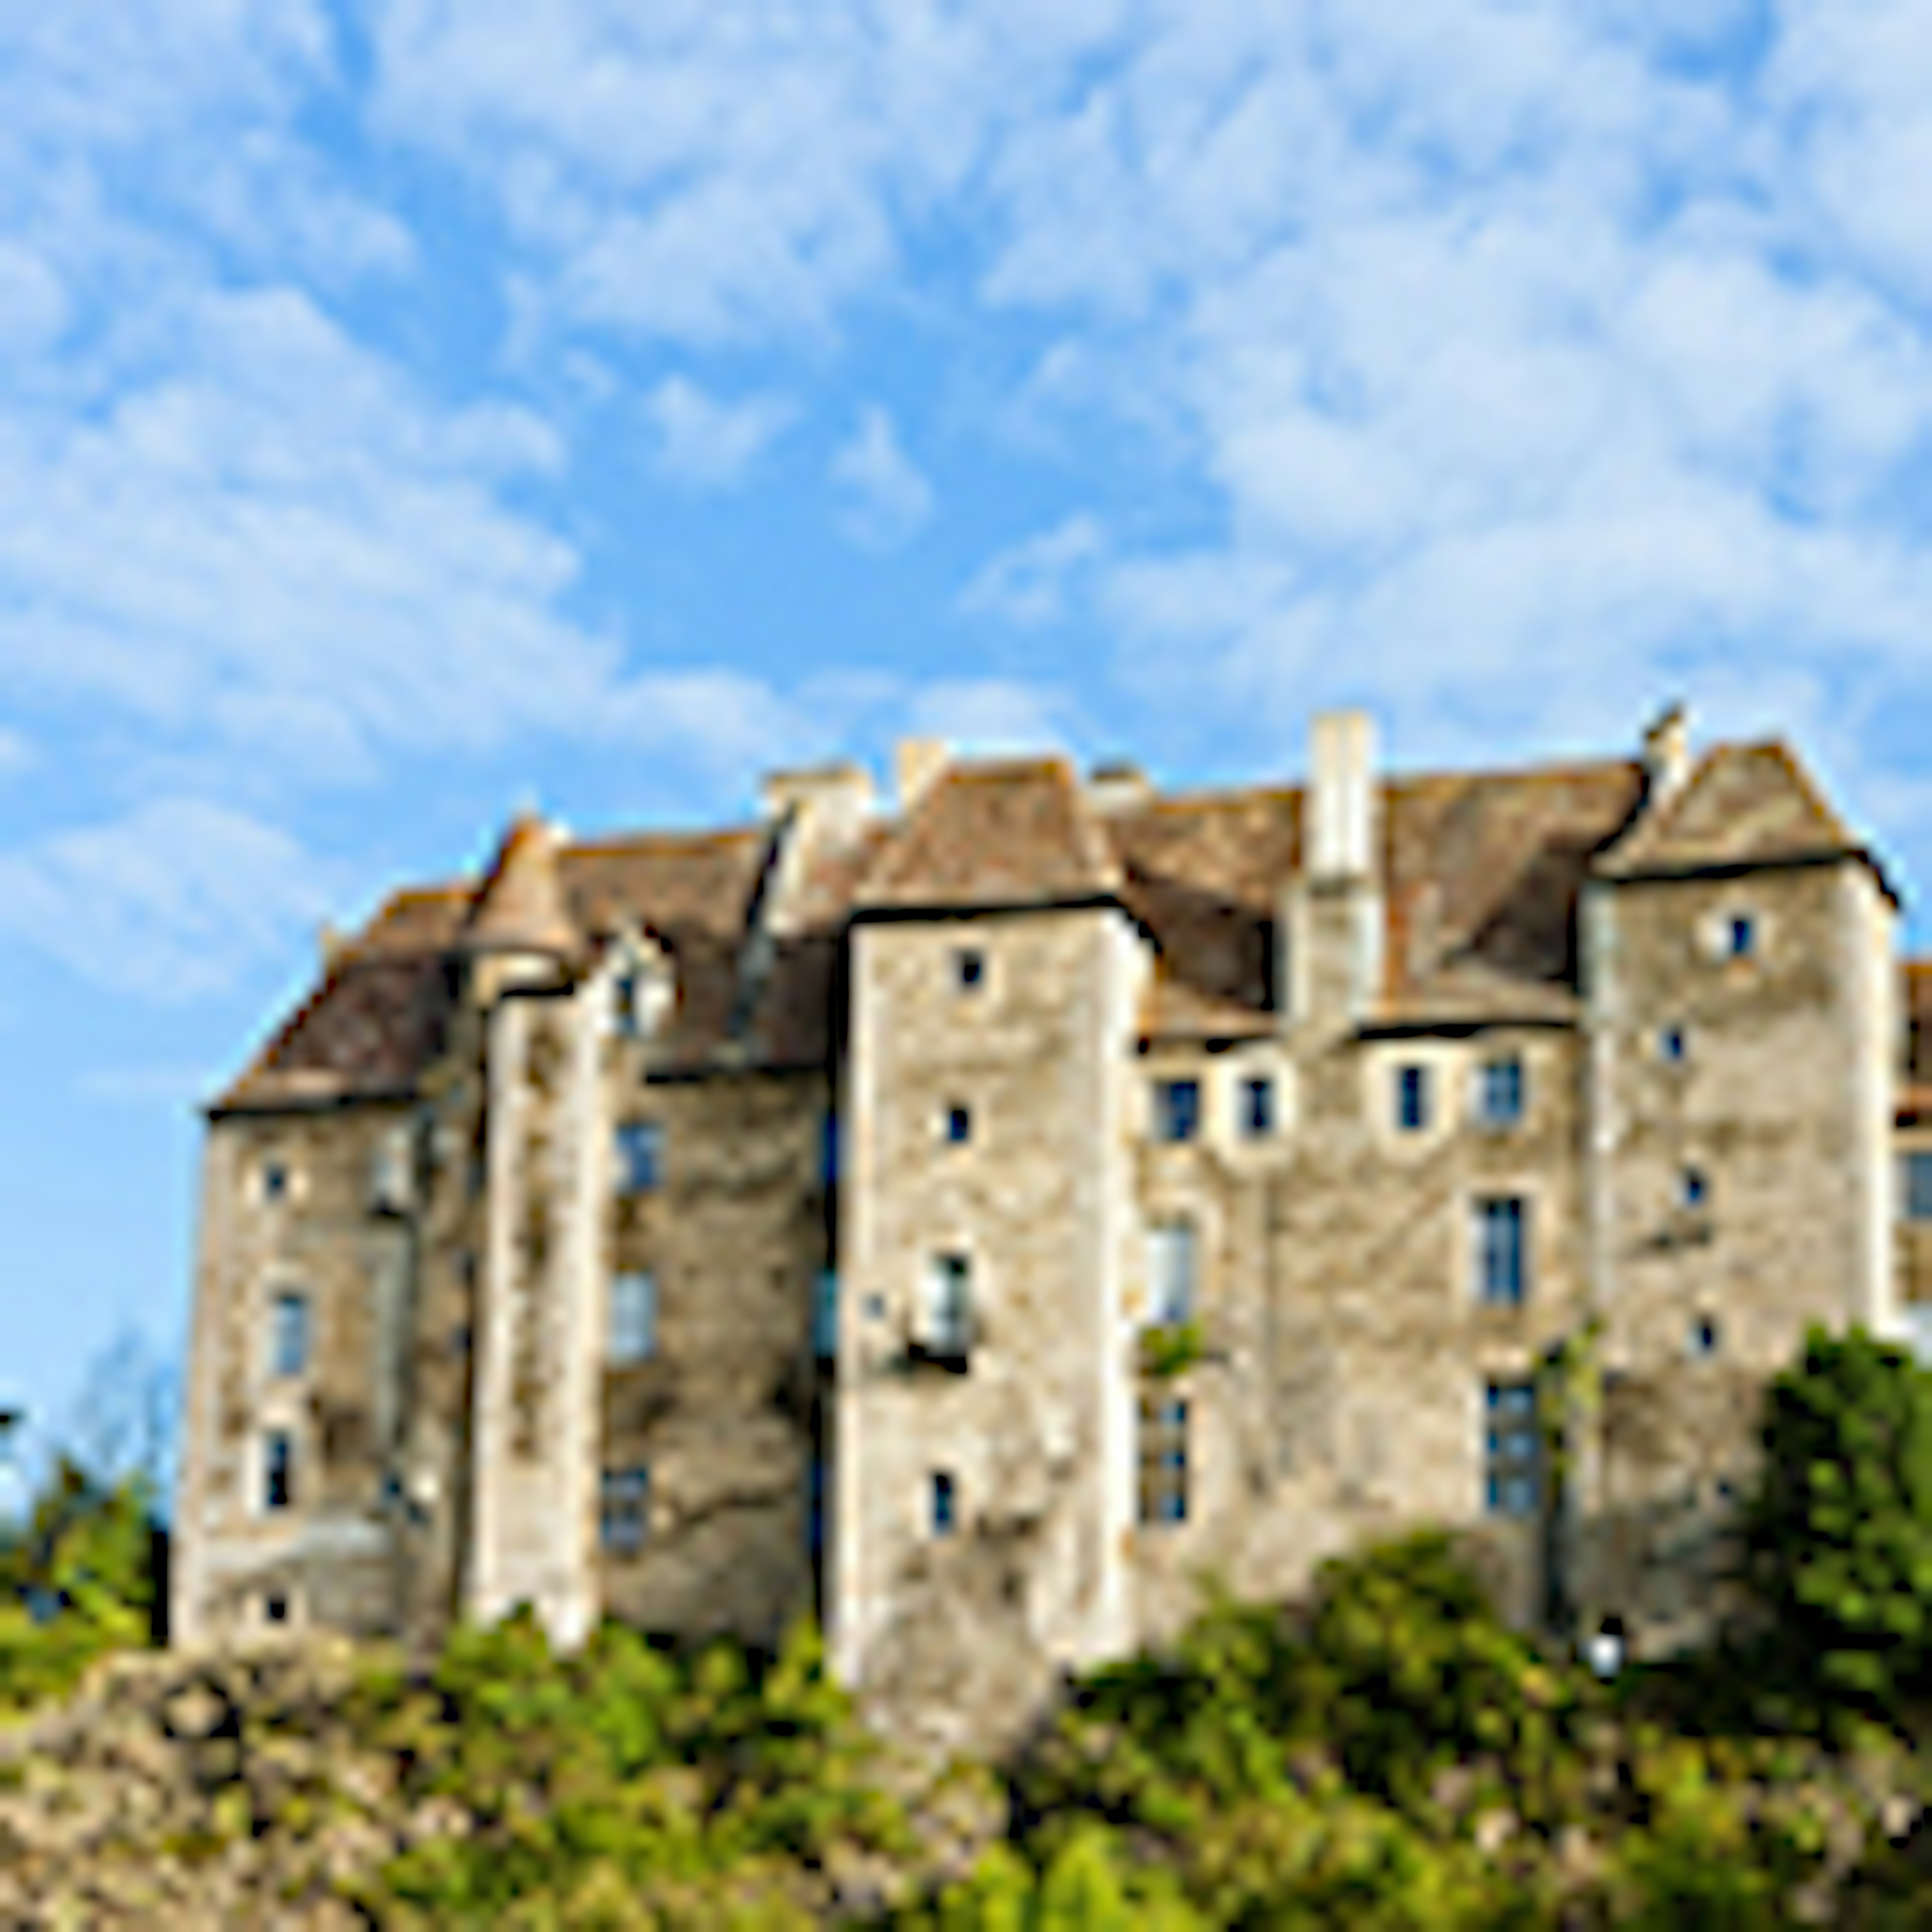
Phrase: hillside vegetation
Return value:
(1386, 1755)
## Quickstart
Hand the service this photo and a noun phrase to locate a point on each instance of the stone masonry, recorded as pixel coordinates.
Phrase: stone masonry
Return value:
(979, 1222)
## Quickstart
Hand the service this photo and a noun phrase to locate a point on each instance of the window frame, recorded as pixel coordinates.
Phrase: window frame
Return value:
(1253, 1123)
(1511, 1417)
(1413, 1084)
(277, 1492)
(1498, 1285)
(631, 1334)
(1915, 1194)
(1169, 1117)
(1172, 1248)
(1502, 1102)
(283, 1300)
(945, 1325)
(638, 1144)
(1163, 1464)
(623, 1508)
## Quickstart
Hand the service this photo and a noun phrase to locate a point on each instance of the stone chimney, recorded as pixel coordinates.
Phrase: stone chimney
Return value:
(1667, 756)
(1118, 786)
(1341, 832)
(917, 763)
(1331, 929)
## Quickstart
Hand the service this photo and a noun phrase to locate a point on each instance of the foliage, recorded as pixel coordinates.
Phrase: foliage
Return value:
(78, 1583)
(1838, 1531)
(1169, 1349)
(696, 1785)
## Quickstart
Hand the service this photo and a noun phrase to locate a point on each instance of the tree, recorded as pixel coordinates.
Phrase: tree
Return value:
(1837, 1535)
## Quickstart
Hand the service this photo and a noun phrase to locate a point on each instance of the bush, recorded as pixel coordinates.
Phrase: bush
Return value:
(1837, 1534)
(78, 1583)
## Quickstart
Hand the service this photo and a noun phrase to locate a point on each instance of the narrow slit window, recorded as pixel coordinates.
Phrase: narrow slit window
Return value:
(288, 1340)
(624, 1508)
(945, 1503)
(1411, 1099)
(1512, 1448)
(278, 1472)
(1163, 1460)
(1502, 1263)
(1257, 1107)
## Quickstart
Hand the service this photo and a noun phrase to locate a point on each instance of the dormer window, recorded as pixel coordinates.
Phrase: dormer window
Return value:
(969, 967)
(1740, 936)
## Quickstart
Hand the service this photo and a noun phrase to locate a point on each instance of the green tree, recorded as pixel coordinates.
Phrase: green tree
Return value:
(1837, 1533)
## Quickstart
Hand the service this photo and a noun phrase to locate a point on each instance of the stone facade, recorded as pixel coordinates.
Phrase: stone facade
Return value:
(981, 1222)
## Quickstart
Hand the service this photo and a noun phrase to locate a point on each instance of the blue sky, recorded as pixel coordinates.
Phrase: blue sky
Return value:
(409, 407)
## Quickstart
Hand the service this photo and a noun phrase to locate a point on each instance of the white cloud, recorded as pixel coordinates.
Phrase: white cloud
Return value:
(887, 497)
(988, 716)
(1033, 583)
(707, 442)
(178, 898)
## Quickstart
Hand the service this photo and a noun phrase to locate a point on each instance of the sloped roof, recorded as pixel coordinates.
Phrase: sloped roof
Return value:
(378, 1018)
(1743, 805)
(1013, 832)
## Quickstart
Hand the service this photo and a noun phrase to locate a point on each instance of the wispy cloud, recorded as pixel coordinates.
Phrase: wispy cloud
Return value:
(178, 898)
(887, 496)
(1033, 583)
(708, 443)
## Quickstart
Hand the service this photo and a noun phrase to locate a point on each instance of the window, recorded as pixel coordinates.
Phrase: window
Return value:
(970, 964)
(274, 1179)
(1257, 1106)
(1740, 936)
(1499, 1101)
(947, 1319)
(825, 1314)
(1671, 1045)
(633, 1317)
(1177, 1109)
(626, 1011)
(624, 1508)
(1702, 1340)
(945, 1503)
(278, 1457)
(1917, 1188)
(828, 1148)
(640, 1156)
(1694, 1189)
(958, 1124)
(389, 1175)
(1411, 1099)
(288, 1335)
(1502, 1256)
(1170, 1254)
(275, 1608)
(1512, 1448)
(1163, 1460)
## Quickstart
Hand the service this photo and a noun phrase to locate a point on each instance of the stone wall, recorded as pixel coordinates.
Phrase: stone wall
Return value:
(726, 1415)
(959, 1633)
(328, 1555)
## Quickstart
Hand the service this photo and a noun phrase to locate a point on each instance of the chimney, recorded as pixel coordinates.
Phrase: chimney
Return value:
(918, 761)
(1667, 756)
(1341, 796)
(1118, 786)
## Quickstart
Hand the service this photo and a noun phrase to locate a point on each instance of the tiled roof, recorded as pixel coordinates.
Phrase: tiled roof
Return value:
(1744, 805)
(1013, 832)
(377, 1019)
(1481, 871)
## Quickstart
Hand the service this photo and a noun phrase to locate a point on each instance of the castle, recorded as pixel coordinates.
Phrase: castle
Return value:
(976, 1220)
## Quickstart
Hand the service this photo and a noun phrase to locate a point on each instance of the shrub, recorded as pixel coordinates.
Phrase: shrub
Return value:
(1837, 1533)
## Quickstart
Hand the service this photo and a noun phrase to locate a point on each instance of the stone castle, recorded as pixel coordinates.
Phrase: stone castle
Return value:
(976, 1220)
